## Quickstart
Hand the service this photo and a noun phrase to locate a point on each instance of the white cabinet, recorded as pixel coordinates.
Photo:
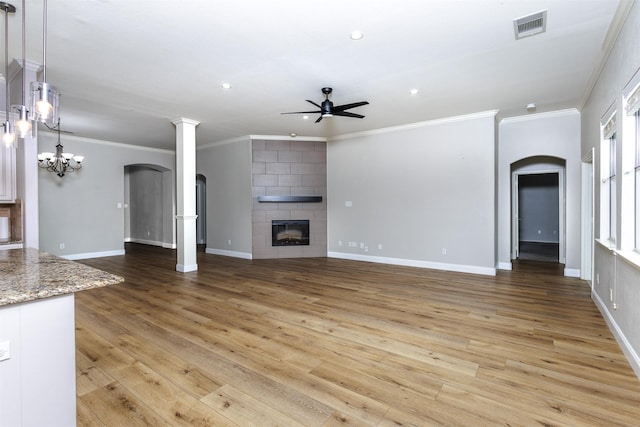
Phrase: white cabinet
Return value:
(7, 174)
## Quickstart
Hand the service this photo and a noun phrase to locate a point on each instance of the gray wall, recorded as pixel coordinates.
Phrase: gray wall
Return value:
(555, 134)
(416, 192)
(616, 279)
(227, 168)
(538, 208)
(81, 209)
(145, 206)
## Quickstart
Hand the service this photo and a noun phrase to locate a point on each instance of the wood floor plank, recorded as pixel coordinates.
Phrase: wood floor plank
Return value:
(114, 405)
(326, 342)
(245, 409)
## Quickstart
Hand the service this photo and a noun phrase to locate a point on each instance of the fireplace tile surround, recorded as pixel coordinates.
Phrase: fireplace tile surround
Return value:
(289, 168)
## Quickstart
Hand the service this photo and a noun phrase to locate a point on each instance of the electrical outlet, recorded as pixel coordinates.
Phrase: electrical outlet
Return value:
(339, 242)
(379, 246)
(61, 245)
(610, 294)
(598, 278)
(5, 352)
(229, 242)
(444, 251)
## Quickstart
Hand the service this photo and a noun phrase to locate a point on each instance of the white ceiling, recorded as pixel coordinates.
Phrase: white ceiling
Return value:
(126, 68)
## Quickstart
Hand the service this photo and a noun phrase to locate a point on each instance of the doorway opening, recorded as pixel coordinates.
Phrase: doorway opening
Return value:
(539, 217)
(538, 210)
(201, 212)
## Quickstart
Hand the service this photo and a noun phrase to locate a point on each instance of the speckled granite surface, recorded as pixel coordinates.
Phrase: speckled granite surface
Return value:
(28, 274)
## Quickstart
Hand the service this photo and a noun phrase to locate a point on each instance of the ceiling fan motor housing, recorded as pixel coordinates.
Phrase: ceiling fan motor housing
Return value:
(327, 108)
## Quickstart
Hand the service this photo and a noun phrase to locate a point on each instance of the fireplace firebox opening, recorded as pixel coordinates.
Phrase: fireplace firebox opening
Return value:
(290, 232)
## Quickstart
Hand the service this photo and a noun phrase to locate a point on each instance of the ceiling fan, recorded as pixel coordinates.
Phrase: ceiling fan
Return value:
(327, 108)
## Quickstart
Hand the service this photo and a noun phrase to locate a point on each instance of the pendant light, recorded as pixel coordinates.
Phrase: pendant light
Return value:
(44, 97)
(22, 124)
(8, 136)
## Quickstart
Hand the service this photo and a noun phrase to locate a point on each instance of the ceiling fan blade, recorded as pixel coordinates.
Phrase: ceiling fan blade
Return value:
(347, 106)
(348, 114)
(319, 118)
(308, 100)
(303, 112)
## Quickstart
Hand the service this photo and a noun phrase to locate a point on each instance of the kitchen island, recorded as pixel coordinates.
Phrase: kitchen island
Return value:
(37, 335)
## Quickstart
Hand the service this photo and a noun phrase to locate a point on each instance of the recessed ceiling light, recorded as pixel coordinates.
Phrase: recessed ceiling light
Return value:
(531, 106)
(414, 91)
(293, 134)
(305, 117)
(356, 35)
(226, 85)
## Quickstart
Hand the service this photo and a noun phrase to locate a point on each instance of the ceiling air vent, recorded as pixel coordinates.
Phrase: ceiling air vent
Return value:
(530, 25)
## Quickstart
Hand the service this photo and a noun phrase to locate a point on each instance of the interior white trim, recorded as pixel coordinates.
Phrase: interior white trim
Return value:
(86, 255)
(487, 271)
(479, 115)
(562, 207)
(505, 266)
(83, 139)
(625, 345)
(234, 254)
(572, 272)
(186, 268)
(537, 116)
(289, 138)
(245, 138)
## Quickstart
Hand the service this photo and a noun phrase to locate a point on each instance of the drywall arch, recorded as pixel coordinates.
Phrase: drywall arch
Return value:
(149, 207)
(555, 135)
(538, 165)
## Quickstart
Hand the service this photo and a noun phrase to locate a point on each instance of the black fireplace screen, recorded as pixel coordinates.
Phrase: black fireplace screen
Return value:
(289, 232)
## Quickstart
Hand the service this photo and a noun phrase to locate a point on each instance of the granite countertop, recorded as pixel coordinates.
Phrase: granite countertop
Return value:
(28, 275)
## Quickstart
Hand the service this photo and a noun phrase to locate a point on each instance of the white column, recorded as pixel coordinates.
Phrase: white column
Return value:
(186, 193)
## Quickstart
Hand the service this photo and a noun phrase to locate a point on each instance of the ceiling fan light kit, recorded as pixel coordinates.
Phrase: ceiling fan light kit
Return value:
(327, 109)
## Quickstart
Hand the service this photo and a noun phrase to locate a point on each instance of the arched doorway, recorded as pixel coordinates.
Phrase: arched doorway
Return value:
(150, 213)
(538, 209)
(201, 211)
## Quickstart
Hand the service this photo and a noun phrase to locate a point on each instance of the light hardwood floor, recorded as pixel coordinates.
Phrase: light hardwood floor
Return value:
(327, 342)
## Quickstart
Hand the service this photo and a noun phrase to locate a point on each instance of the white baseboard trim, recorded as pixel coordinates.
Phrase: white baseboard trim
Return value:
(169, 246)
(147, 242)
(487, 271)
(87, 255)
(234, 254)
(504, 266)
(572, 272)
(625, 345)
(186, 268)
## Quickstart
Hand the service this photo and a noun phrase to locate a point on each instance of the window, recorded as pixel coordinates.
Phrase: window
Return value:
(612, 187)
(637, 182)
(608, 165)
(631, 163)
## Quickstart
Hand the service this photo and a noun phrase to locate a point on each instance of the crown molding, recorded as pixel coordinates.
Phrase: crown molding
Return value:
(435, 122)
(244, 138)
(108, 143)
(537, 116)
(289, 138)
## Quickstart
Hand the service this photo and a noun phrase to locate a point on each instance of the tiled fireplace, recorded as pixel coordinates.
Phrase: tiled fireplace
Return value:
(289, 180)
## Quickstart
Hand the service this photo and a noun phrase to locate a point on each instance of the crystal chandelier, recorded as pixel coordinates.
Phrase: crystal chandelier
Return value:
(59, 162)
